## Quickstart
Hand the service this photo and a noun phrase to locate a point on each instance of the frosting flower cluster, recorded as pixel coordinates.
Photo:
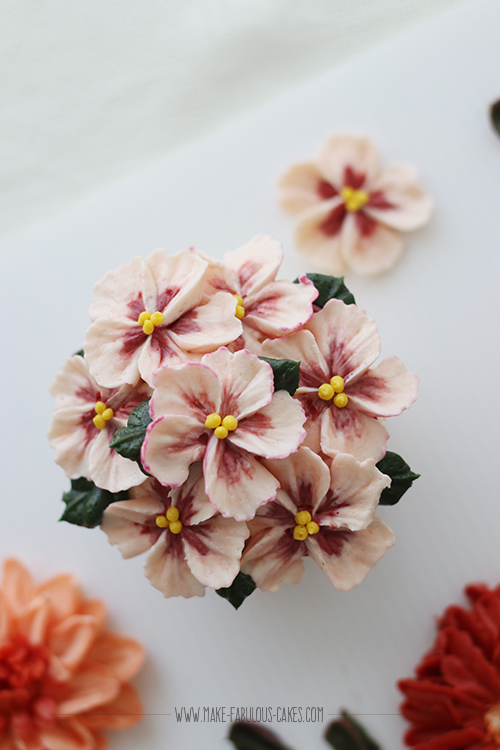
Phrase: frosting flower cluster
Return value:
(178, 424)
(64, 678)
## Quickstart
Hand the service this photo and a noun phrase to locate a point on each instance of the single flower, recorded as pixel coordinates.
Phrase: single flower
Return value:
(63, 676)
(341, 393)
(351, 213)
(154, 311)
(222, 411)
(267, 308)
(453, 702)
(86, 417)
(191, 545)
(326, 514)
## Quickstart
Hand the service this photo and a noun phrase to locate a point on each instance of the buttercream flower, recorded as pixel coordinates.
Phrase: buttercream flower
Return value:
(351, 213)
(267, 308)
(224, 412)
(342, 394)
(191, 545)
(325, 514)
(63, 677)
(453, 702)
(85, 419)
(151, 312)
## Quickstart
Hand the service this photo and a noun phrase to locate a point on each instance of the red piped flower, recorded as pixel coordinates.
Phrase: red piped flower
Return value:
(63, 677)
(453, 702)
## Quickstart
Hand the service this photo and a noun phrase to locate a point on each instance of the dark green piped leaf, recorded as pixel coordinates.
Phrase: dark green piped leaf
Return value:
(242, 586)
(286, 374)
(402, 477)
(246, 736)
(348, 734)
(329, 287)
(85, 503)
(495, 116)
(128, 440)
(79, 353)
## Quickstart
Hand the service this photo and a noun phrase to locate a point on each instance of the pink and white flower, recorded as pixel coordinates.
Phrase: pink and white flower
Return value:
(85, 419)
(150, 312)
(191, 545)
(342, 394)
(351, 213)
(267, 308)
(328, 515)
(222, 411)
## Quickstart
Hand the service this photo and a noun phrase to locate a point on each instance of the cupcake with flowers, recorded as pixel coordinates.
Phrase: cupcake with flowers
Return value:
(231, 424)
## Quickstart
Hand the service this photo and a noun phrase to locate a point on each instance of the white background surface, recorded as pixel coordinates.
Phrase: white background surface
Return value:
(94, 90)
(424, 99)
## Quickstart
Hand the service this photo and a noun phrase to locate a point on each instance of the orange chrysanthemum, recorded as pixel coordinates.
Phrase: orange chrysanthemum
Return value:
(63, 677)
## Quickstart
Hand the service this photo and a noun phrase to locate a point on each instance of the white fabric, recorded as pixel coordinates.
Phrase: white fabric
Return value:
(94, 90)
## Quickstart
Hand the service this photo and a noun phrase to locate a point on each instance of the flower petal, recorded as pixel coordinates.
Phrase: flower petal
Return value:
(371, 251)
(112, 349)
(18, 588)
(348, 430)
(171, 445)
(63, 595)
(256, 263)
(72, 639)
(346, 153)
(178, 281)
(346, 557)
(191, 499)
(273, 432)
(70, 734)
(355, 492)
(235, 482)
(123, 293)
(247, 383)
(87, 689)
(347, 338)
(281, 307)
(208, 326)
(385, 390)
(318, 235)
(410, 208)
(273, 557)
(299, 187)
(121, 713)
(167, 570)
(33, 619)
(71, 434)
(192, 389)
(213, 550)
(108, 469)
(302, 347)
(74, 385)
(303, 476)
(122, 657)
(126, 524)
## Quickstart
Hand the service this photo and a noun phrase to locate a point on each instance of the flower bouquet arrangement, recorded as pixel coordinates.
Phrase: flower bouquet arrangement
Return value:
(231, 424)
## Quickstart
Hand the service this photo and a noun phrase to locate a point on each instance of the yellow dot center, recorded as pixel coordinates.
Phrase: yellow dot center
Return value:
(305, 526)
(240, 309)
(170, 520)
(354, 199)
(149, 321)
(334, 390)
(103, 414)
(221, 427)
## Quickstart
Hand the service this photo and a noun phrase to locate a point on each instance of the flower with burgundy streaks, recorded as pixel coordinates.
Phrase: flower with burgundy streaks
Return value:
(85, 419)
(326, 514)
(342, 394)
(222, 411)
(267, 308)
(350, 212)
(63, 676)
(453, 702)
(191, 545)
(154, 311)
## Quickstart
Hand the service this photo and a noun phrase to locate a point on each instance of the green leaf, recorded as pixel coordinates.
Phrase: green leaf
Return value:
(348, 734)
(128, 440)
(286, 374)
(402, 477)
(246, 736)
(79, 353)
(495, 116)
(85, 503)
(242, 586)
(329, 287)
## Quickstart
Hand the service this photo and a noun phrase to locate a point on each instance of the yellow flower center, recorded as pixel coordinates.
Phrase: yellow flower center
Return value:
(240, 310)
(102, 415)
(492, 721)
(221, 427)
(334, 390)
(354, 199)
(305, 526)
(170, 520)
(149, 321)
